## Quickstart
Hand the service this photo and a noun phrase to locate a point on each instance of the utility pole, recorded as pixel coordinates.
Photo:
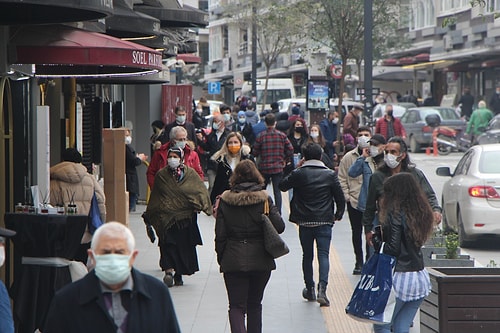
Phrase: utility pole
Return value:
(254, 53)
(368, 56)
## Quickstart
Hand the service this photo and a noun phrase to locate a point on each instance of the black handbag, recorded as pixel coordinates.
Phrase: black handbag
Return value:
(273, 243)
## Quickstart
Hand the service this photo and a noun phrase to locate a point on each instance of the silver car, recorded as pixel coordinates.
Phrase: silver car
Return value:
(471, 198)
(419, 133)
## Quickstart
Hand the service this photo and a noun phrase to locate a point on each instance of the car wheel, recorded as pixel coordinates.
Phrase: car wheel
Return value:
(414, 145)
(443, 149)
(462, 236)
(446, 226)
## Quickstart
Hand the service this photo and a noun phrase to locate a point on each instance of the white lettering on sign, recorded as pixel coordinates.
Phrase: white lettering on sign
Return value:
(146, 58)
(139, 57)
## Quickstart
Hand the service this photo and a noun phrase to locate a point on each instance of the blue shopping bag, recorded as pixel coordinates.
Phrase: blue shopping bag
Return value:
(95, 215)
(373, 299)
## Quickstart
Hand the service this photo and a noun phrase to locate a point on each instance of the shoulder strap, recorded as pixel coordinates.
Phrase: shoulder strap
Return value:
(266, 206)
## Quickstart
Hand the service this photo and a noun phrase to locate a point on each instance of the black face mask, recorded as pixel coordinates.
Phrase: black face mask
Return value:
(389, 113)
(300, 130)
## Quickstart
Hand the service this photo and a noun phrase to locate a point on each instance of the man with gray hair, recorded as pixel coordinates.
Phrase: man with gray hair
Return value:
(114, 296)
(178, 138)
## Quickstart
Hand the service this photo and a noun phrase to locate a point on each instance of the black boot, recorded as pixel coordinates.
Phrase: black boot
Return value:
(322, 299)
(309, 293)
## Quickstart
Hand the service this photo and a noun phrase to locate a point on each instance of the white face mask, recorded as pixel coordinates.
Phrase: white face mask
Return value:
(391, 160)
(112, 268)
(314, 135)
(363, 142)
(128, 140)
(335, 120)
(374, 151)
(2, 255)
(173, 162)
(226, 116)
(180, 144)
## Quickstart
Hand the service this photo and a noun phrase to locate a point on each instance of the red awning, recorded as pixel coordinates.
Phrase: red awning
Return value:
(406, 61)
(422, 57)
(189, 58)
(390, 62)
(65, 51)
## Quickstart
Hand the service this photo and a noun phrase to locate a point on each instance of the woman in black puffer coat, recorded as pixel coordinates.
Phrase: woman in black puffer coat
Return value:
(240, 248)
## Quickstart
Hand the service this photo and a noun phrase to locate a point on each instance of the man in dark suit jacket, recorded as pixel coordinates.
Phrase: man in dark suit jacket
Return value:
(114, 297)
(180, 120)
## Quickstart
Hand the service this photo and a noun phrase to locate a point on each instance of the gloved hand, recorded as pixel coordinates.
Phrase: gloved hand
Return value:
(151, 233)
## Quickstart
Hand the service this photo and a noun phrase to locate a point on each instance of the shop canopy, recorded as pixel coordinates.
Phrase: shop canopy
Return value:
(17, 12)
(68, 52)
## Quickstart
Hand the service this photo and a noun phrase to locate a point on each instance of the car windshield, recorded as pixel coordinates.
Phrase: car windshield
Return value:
(495, 123)
(489, 162)
(444, 114)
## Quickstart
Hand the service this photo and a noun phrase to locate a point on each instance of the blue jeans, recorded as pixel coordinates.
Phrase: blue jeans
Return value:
(132, 201)
(275, 180)
(323, 236)
(404, 313)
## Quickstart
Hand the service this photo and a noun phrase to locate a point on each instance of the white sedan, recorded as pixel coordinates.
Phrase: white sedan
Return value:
(471, 198)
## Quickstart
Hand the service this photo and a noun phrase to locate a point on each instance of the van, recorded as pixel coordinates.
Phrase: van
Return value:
(276, 89)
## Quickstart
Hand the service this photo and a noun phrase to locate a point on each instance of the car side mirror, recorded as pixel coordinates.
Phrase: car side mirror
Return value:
(443, 171)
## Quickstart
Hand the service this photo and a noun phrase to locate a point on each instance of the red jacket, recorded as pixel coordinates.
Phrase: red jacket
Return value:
(159, 161)
(381, 128)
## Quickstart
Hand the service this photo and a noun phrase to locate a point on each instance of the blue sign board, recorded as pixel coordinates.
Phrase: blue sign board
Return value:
(213, 88)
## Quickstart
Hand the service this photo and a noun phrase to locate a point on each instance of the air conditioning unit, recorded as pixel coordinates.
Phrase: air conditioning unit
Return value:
(447, 42)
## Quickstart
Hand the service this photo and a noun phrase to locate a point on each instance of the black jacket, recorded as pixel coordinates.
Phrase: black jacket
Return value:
(238, 229)
(400, 245)
(131, 163)
(376, 189)
(79, 307)
(224, 171)
(212, 145)
(246, 132)
(316, 189)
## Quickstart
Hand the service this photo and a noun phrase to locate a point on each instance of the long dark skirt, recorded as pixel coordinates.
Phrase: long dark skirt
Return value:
(178, 247)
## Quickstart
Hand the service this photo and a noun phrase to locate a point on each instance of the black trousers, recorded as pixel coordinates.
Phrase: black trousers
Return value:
(245, 291)
(356, 217)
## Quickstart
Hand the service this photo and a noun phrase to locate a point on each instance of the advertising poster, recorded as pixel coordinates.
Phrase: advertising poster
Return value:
(317, 95)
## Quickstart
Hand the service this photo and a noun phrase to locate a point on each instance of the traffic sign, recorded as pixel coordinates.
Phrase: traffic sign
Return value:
(336, 71)
(214, 88)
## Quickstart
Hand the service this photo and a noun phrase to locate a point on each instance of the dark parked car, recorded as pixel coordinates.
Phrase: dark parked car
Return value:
(419, 133)
(492, 133)
(471, 197)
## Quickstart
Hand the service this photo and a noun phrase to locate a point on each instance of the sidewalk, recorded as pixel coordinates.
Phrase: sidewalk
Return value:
(201, 304)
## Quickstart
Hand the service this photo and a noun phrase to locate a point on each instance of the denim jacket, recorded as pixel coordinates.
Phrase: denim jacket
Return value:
(362, 166)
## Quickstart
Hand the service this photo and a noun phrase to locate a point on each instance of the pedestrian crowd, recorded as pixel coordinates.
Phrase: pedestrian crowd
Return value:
(372, 177)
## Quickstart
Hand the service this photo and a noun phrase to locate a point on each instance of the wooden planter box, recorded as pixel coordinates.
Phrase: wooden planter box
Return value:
(463, 300)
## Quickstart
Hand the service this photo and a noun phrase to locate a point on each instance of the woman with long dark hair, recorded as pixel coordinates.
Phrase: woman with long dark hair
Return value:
(407, 222)
(240, 248)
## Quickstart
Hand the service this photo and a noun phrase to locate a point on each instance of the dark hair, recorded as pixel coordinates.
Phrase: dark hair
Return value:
(224, 107)
(158, 124)
(179, 108)
(275, 106)
(321, 139)
(245, 172)
(270, 119)
(364, 129)
(403, 195)
(312, 151)
(72, 155)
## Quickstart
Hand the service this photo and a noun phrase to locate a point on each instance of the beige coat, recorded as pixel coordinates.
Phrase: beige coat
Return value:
(350, 186)
(67, 180)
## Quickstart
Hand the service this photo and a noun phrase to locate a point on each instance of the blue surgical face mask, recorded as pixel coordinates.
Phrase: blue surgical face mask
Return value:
(180, 119)
(226, 116)
(180, 144)
(242, 120)
(112, 268)
(215, 126)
